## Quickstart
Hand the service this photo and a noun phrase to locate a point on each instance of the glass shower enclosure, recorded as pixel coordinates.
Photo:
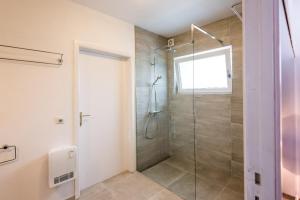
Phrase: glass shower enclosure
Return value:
(183, 112)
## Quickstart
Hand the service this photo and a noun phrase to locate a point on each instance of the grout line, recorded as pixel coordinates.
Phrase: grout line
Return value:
(219, 194)
(178, 178)
(198, 176)
(223, 189)
(110, 190)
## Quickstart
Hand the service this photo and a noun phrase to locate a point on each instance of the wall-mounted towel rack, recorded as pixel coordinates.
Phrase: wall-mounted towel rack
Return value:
(59, 60)
(7, 148)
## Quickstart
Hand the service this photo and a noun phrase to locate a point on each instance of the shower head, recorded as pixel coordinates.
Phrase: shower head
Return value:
(165, 48)
(170, 49)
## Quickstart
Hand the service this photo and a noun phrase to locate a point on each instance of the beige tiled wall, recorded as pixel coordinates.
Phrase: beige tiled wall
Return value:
(219, 118)
(151, 151)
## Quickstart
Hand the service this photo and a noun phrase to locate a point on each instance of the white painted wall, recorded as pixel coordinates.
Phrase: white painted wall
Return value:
(32, 96)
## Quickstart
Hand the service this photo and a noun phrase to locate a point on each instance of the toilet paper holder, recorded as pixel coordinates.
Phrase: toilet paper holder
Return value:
(6, 148)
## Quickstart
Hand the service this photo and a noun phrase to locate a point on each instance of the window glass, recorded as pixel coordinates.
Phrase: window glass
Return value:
(209, 72)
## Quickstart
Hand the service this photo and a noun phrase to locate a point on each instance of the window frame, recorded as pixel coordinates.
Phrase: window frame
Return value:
(227, 51)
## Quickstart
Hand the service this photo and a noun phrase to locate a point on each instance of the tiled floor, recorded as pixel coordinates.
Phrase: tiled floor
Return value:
(211, 185)
(152, 184)
(128, 186)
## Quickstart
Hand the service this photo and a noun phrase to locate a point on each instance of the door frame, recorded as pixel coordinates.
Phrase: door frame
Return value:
(129, 101)
(261, 99)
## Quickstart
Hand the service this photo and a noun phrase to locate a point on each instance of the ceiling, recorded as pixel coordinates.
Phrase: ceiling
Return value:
(164, 17)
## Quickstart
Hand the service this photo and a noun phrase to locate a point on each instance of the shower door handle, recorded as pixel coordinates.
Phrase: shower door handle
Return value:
(81, 116)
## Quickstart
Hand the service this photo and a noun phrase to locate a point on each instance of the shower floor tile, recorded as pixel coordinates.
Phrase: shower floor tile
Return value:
(164, 174)
(185, 188)
(182, 163)
(236, 184)
(165, 195)
(220, 177)
(212, 184)
(228, 194)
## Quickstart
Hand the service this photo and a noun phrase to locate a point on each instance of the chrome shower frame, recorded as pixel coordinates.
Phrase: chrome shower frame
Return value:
(195, 27)
(234, 10)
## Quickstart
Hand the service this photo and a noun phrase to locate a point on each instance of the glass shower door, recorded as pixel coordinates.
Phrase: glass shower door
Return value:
(218, 111)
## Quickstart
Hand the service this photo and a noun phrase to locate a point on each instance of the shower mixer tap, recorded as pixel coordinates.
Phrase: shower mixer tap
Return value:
(157, 79)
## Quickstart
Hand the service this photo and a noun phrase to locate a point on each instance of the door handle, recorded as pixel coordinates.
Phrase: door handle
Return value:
(81, 116)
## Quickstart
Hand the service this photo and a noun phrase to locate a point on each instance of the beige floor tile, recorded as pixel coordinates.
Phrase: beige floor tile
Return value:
(163, 174)
(133, 186)
(207, 190)
(136, 186)
(165, 195)
(228, 194)
(184, 187)
(236, 184)
(214, 175)
(97, 192)
(128, 186)
(181, 163)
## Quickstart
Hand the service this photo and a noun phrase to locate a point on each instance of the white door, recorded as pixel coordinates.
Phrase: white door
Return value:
(100, 102)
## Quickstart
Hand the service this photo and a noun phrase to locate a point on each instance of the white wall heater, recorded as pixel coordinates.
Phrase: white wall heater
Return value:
(62, 165)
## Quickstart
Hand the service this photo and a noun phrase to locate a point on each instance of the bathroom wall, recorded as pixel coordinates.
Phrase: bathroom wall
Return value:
(297, 100)
(151, 151)
(295, 31)
(34, 95)
(219, 118)
(290, 79)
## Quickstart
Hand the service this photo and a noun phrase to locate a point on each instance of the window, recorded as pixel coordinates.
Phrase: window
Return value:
(209, 72)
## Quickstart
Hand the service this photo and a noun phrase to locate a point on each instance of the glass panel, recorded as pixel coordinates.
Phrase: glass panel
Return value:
(219, 116)
(191, 143)
(182, 140)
